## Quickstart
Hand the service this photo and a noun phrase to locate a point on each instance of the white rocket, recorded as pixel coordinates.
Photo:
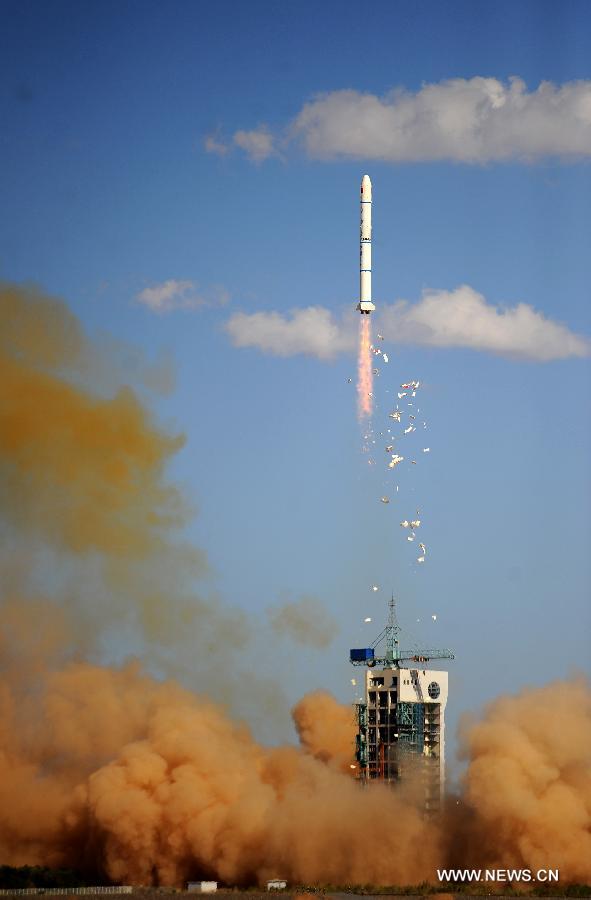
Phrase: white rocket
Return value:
(365, 305)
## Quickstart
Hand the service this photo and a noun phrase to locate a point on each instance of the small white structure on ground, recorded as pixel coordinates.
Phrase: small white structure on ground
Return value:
(276, 884)
(202, 887)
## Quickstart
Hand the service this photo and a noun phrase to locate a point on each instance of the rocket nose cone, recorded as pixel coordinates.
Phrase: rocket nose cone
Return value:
(366, 187)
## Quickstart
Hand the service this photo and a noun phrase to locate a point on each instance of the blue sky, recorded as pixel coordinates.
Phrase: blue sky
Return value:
(123, 170)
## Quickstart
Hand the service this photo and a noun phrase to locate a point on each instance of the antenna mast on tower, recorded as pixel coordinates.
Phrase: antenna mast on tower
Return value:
(392, 631)
(394, 657)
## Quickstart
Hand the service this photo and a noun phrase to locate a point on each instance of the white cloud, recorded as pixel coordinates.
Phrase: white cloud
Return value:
(459, 318)
(213, 145)
(173, 294)
(463, 318)
(258, 144)
(474, 120)
(311, 331)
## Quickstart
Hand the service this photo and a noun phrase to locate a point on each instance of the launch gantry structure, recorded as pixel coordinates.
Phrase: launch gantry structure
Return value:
(394, 656)
(400, 720)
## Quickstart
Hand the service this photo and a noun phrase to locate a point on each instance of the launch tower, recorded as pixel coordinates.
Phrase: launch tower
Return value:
(401, 718)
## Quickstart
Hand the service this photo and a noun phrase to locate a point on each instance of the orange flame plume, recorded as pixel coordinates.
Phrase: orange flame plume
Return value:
(365, 372)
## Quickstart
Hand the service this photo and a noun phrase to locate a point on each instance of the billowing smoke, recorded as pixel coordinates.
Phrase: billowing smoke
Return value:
(527, 788)
(326, 729)
(91, 528)
(159, 785)
(155, 784)
(110, 769)
(81, 471)
(305, 621)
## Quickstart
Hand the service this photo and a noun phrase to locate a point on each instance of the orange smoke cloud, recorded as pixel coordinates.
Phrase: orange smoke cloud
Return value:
(326, 729)
(90, 521)
(111, 769)
(528, 783)
(305, 621)
(83, 471)
(364, 370)
(160, 786)
(157, 785)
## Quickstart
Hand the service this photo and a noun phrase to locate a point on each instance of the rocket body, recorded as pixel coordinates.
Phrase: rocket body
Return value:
(365, 304)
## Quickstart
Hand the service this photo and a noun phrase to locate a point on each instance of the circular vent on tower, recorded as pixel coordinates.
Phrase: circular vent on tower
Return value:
(434, 690)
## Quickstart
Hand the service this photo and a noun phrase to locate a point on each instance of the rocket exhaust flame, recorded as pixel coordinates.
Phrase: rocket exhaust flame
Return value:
(365, 372)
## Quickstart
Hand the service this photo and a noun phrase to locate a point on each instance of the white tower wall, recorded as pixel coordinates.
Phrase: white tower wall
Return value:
(406, 727)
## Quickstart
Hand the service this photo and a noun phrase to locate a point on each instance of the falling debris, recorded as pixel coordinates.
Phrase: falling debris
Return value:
(374, 587)
(434, 617)
(349, 380)
(353, 682)
(367, 619)
(406, 388)
(380, 336)
(385, 358)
